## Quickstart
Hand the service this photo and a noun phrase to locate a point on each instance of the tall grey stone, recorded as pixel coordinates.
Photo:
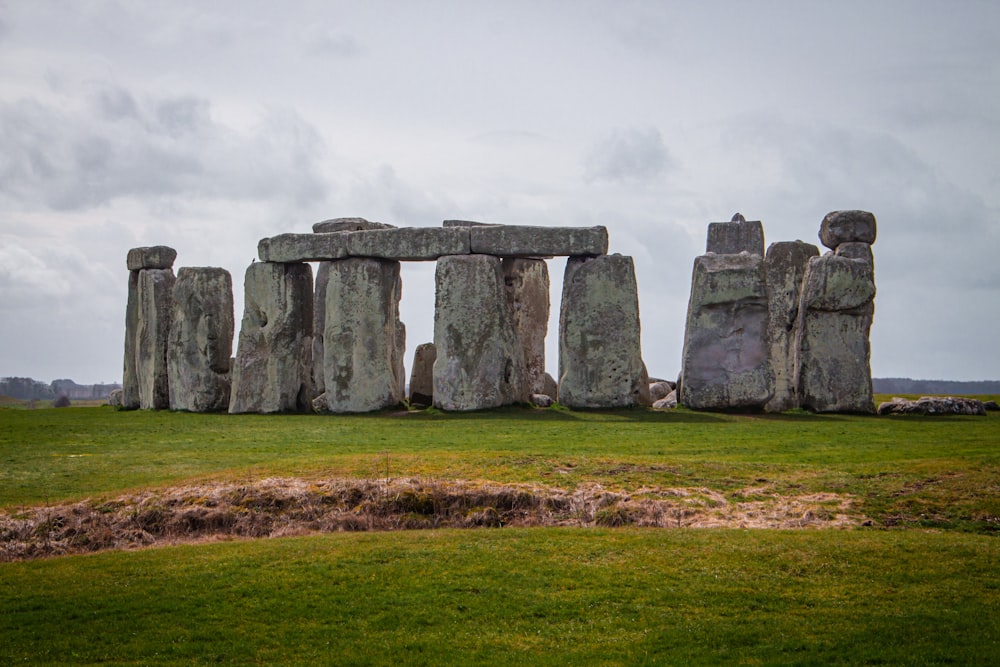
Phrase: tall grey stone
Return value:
(201, 340)
(130, 381)
(736, 236)
(526, 282)
(360, 361)
(319, 325)
(725, 359)
(274, 356)
(155, 294)
(479, 360)
(833, 353)
(784, 268)
(600, 359)
(422, 376)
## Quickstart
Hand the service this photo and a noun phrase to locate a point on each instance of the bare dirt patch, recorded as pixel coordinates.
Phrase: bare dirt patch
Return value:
(291, 506)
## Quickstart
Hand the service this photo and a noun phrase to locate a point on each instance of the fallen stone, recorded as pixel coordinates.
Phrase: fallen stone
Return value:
(479, 360)
(319, 405)
(526, 282)
(115, 399)
(725, 361)
(274, 355)
(130, 381)
(422, 376)
(847, 226)
(732, 238)
(201, 340)
(991, 406)
(784, 267)
(521, 241)
(542, 401)
(600, 360)
(668, 402)
(155, 294)
(347, 225)
(409, 243)
(153, 257)
(658, 390)
(933, 405)
(360, 355)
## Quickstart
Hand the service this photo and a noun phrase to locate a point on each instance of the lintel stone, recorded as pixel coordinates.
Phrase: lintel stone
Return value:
(292, 248)
(525, 241)
(348, 225)
(409, 243)
(152, 257)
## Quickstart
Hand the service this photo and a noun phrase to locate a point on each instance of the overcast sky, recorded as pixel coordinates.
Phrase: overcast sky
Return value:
(206, 126)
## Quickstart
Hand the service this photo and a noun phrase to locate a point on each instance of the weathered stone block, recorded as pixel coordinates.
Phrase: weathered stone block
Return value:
(290, 248)
(201, 340)
(466, 223)
(360, 341)
(732, 238)
(725, 359)
(153, 257)
(347, 225)
(784, 268)
(319, 326)
(409, 243)
(600, 360)
(832, 358)
(479, 360)
(422, 376)
(520, 241)
(856, 250)
(155, 294)
(847, 226)
(130, 381)
(526, 282)
(274, 356)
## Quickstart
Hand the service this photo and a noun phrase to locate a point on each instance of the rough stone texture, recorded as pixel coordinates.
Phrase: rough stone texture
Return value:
(519, 241)
(732, 238)
(291, 248)
(542, 400)
(360, 355)
(130, 381)
(832, 359)
(658, 390)
(479, 360)
(409, 243)
(115, 399)
(784, 268)
(319, 325)
(991, 406)
(422, 376)
(600, 360)
(274, 356)
(933, 405)
(847, 226)
(526, 282)
(153, 257)
(155, 293)
(549, 386)
(201, 340)
(668, 402)
(725, 359)
(347, 225)
(466, 223)
(855, 250)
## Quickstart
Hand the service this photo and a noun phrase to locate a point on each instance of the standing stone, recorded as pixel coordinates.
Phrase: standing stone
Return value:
(360, 341)
(600, 360)
(832, 362)
(784, 268)
(130, 381)
(319, 326)
(155, 294)
(274, 356)
(479, 360)
(725, 359)
(736, 236)
(201, 340)
(526, 282)
(422, 376)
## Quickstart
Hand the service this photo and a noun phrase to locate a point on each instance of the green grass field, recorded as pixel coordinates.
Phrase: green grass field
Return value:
(915, 583)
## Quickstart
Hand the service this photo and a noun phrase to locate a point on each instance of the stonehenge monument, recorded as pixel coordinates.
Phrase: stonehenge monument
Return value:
(769, 331)
(784, 330)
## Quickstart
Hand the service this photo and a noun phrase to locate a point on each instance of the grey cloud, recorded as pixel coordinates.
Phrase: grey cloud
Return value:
(328, 44)
(628, 154)
(72, 157)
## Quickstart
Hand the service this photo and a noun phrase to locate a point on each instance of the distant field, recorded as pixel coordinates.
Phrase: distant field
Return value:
(907, 577)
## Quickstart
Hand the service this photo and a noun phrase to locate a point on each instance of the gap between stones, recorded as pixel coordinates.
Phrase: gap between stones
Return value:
(277, 507)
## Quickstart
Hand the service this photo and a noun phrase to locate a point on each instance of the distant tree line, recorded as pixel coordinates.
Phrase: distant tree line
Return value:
(908, 386)
(28, 389)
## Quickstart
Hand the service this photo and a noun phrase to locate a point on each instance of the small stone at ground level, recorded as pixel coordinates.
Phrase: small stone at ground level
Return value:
(542, 401)
(933, 405)
(422, 376)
